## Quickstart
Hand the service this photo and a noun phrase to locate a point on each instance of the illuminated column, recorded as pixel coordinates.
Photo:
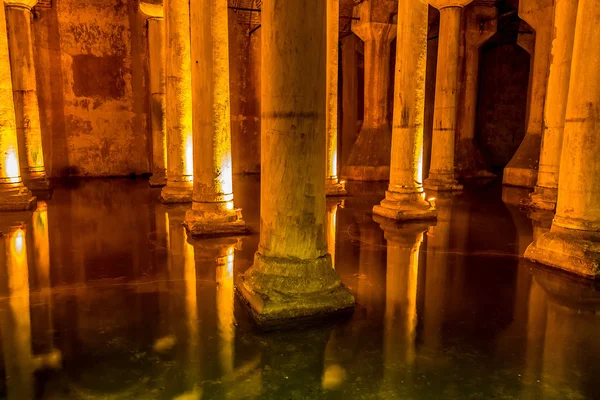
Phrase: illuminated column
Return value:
(404, 197)
(573, 242)
(29, 133)
(212, 210)
(178, 92)
(333, 186)
(441, 171)
(555, 107)
(523, 167)
(331, 231)
(14, 196)
(369, 159)
(480, 25)
(292, 275)
(225, 308)
(156, 66)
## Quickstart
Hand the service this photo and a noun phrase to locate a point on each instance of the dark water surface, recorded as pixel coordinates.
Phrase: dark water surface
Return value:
(102, 296)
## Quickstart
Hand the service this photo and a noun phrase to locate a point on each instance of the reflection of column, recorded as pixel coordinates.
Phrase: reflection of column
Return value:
(331, 232)
(573, 241)
(536, 328)
(226, 319)
(522, 168)
(13, 194)
(178, 93)
(333, 186)
(156, 66)
(20, 43)
(546, 189)
(441, 171)
(292, 275)
(480, 25)
(404, 197)
(212, 209)
(369, 159)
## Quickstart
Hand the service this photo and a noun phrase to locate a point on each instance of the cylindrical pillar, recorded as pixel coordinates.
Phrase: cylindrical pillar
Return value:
(546, 189)
(522, 169)
(369, 159)
(333, 186)
(404, 198)
(480, 24)
(178, 91)
(14, 196)
(573, 242)
(292, 274)
(29, 133)
(212, 211)
(441, 170)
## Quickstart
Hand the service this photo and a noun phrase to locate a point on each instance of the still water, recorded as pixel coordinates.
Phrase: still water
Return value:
(103, 296)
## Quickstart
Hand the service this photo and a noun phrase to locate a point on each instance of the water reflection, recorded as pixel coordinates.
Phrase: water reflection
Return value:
(104, 298)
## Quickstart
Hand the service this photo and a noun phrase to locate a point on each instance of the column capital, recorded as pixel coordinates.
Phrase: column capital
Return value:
(28, 4)
(377, 20)
(150, 10)
(440, 4)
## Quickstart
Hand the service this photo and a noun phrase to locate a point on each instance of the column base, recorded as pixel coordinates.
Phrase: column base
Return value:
(334, 187)
(522, 170)
(542, 199)
(171, 194)
(38, 184)
(439, 183)
(205, 219)
(157, 180)
(405, 207)
(574, 251)
(18, 199)
(285, 289)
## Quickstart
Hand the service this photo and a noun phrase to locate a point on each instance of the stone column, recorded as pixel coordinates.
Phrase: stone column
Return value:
(333, 186)
(441, 171)
(178, 92)
(27, 111)
(292, 275)
(212, 211)
(369, 159)
(523, 167)
(349, 95)
(573, 242)
(14, 196)
(156, 66)
(480, 24)
(404, 198)
(555, 107)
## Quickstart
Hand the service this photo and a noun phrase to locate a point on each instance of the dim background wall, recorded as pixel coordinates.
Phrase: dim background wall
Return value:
(91, 76)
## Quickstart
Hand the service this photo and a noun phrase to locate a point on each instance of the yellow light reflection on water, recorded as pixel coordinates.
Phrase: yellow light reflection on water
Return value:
(225, 304)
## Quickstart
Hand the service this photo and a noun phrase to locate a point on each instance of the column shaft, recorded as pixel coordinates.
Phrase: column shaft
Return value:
(13, 194)
(156, 64)
(546, 189)
(333, 187)
(441, 172)
(178, 91)
(212, 208)
(292, 273)
(20, 43)
(573, 241)
(404, 198)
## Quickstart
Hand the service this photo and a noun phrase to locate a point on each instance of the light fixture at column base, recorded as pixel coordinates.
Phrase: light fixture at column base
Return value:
(207, 222)
(570, 250)
(335, 188)
(157, 180)
(412, 207)
(20, 199)
(287, 289)
(176, 194)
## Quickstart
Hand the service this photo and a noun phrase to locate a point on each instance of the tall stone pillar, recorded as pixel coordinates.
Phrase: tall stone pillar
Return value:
(178, 92)
(369, 159)
(292, 275)
(212, 211)
(349, 95)
(156, 66)
(522, 169)
(555, 106)
(333, 186)
(480, 24)
(404, 198)
(441, 171)
(14, 196)
(573, 242)
(27, 111)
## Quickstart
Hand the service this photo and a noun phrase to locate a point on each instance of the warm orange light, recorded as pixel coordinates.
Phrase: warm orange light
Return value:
(189, 157)
(12, 166)
(18, 243)
(225, 306)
